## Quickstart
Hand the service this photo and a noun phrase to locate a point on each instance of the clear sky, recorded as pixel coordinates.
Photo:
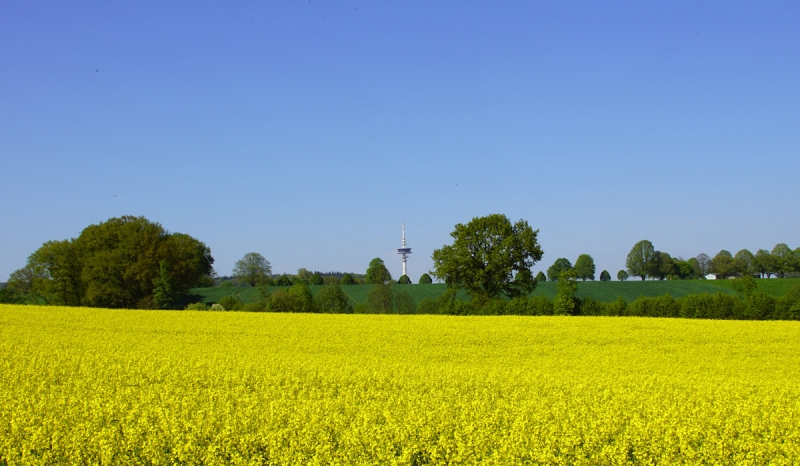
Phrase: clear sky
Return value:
(309, 131)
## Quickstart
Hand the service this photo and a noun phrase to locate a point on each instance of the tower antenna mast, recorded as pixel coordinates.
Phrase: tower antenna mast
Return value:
(404, 251)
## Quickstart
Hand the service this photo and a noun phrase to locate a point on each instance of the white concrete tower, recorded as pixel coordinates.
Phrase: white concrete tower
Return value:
(404, 251)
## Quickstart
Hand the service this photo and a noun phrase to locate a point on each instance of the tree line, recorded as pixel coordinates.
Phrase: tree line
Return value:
(645, 261)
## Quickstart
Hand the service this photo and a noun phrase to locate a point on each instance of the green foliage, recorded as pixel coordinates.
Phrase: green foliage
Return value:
(404, 280)
(560, 266)
(661, 266)
(723, 264)
(302, 298)
(783, 259)
(566, 302)
(332, 299)
(201, 306)
(540, 277)
(380, 300)
(487, 254)
(163, 293)
(347, 279)
(283, 280)
(252, 269)
(622, 275)
(8, 296)
(316, 280)
(404, 303)
(744, 261)
(640, 258)
(377, 273)
(605, 276)
(745, 285)
(113, 264)
(584, 267)
(425, 279)
(230, 303)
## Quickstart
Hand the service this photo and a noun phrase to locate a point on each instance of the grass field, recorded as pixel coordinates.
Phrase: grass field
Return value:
(176, 387)
(599, 291)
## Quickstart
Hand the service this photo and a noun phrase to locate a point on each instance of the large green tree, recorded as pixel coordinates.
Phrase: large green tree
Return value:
(377, 273)
(113, 264)
(764, 263)
(490, 256)
(562, 264)
(584, 267)
(639, 259)
(425, 279)
(744, 262)
(723, 264)
(703, 265)
(252, 269)
(661, 266)
(784, 259)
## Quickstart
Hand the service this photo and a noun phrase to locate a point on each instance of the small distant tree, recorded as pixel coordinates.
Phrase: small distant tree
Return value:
(252, 269)
(703, 264)
(283, 280)
(163, 289)
(783, 258)
(404, 280)
(347, 279)
(425, 279)
(565, 301)
(622, 275)
(560, 265)
(540, 277)
(584, 267)
(380, 300)
(333, 300)
(316, 279)
(723, 264)
(605, 276)
(304, 274)
(640, 258)
(377, 273)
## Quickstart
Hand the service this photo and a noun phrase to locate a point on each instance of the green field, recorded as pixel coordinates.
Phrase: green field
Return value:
(599, 291)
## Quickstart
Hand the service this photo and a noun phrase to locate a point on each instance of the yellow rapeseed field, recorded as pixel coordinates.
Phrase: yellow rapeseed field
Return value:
(95, 386)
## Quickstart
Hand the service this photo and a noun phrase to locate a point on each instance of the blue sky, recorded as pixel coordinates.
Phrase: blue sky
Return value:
(309, 131)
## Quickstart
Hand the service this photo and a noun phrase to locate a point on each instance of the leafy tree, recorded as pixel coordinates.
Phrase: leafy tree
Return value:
(559, 266)
(605, 276)
(565, 301)
(425, 279)
(230, 303)
(380, 300)
(764, 263)
(8, 296)
(584, 267)
(783, 258)
(252, 269)
(695, 265)
(622, 275)
(722, 264)
(283, 280)
(302, 298)
(703, 264)
(404, 280)
(540, 277)
(684, 269)
(332, 299)
(347, 279)
(489, 257)
(661, 265)
(404, 303)
(163, 290)
(377, 273)
(316, 279)
(640, 258)
(743, 261)
(31, 282)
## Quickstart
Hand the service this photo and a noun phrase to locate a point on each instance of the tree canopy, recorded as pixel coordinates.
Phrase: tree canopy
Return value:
(425, 279)
(584, 267)
(639, 259)
(377, 273)
(115, 264)
(561, 265)
(404, 280)
(605, 276)
(252, 269)
(489, 257)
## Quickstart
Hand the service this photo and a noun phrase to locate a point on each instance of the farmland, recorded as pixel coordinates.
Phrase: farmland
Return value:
(599, 291)
(164, 387)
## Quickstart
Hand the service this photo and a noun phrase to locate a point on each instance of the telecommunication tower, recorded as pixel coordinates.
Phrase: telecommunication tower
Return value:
(404, 251)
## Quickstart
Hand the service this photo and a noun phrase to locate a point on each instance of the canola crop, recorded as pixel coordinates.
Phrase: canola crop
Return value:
(95, 386)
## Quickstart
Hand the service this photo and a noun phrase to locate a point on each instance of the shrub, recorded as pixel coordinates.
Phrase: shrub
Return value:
(428, 306)
(302, 297)
(316, 280)
(618, 307)
(404, 303)
(332, 299)
(380, 300)
(201, 306)
(404, 280)
(217, 307)
(590, 307)
(230, 303)
(425, 279)
(347, 279)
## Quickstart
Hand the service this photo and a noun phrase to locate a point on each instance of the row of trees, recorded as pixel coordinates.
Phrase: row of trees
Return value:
(126, 262)
(255, 270)
(584, 269)
(645, 261)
